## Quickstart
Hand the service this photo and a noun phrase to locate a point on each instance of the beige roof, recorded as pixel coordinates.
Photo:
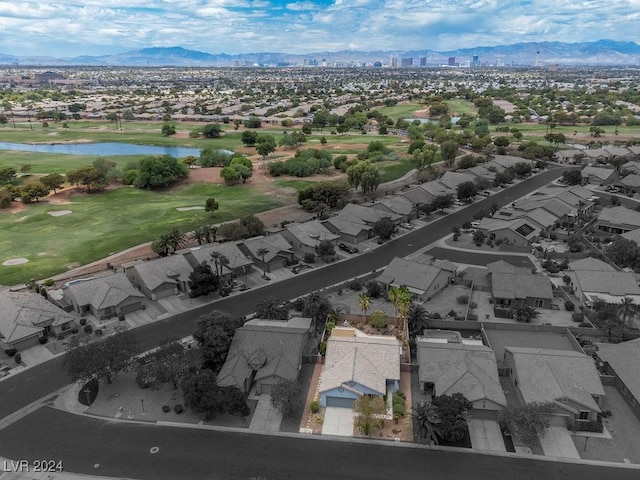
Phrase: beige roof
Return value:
(103, 292)
(553, 375)
(459, 368)
(597, 172)
(347, 225)
(367, 215)
(620, 215)
(366, 360)
(624, 358)
(274, 244)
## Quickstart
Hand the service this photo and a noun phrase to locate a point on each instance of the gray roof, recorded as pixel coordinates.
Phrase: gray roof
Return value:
(23, 314)
(268, 347)
(505, 267)
(632, 180)
(620, 215)
(500, 338)
(460, 368)
(237, 259)
(394, 203)
(453, 179)
(311, 233)
(597, 172)
(591, 264)
(417, 276)
(553, 375)
(417, 195)
(633, 235)
(348, 225)
(155, 273)
(103, 292)
(519, 286)
(367, 360)
(435, 189)
(507, 161)
(624, 358)
(367, 215)
(275, 244)
(611, 283)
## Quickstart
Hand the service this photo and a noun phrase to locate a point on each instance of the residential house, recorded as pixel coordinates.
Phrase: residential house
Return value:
(160, 278)
(591, 264)
(452, 180)
(630, 183)
(423, 281)
(396, 204)
(305, 237)
(568, 379)
(596, 156)
(367, 215)
(238, 263)
(599, 175)
(26, 316)
(265, 352)
(621, 360)
(519, 231)
(571, 156)
(449, 364)
(618, 220)
(633, 235)
(104, 297)
(278, 254)
(357, 364)
(610, 286)
(631, 167)
(417, 196)
(349, 229)
(482, 174)
(508, 161)
(509, 289)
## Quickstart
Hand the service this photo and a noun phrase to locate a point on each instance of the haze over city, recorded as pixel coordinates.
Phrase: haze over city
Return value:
(70, 28)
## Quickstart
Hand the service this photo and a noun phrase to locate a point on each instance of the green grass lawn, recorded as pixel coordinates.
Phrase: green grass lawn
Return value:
(112, 221)
(459, 107)
(404, 110)
(392, 170)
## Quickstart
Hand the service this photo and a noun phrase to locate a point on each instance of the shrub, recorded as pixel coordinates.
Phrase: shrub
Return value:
(592, 426)
(397, 398)
(473, 305)
(472, 317)
(309, 257)
(577, 317)
(585, 325)
(569, 306)
(378, 320)
(49, 282)
(436, 316)
(43, 340)
(166, 408)
(463, 299)
(314, 406)
(374, 289)
(144, 380)
(355, 284)
(83, 321)
(177, 408)
(18, 358)
(322, 349)
(553, 236)
(88, 329)
(75, 330)
(98, 332)
(398, 410)
(11, 352)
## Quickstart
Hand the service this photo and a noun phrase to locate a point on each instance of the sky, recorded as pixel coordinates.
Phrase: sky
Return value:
(69, 28)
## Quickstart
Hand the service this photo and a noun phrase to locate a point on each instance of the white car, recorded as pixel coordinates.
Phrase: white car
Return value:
(408, 226)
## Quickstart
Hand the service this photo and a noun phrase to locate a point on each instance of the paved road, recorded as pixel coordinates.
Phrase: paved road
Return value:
(478, 258)
(27, 387)
(123, 450)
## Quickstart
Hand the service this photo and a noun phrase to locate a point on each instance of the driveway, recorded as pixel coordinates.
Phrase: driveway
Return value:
(338, 421)
(485, 435)
(265, 418)
(558, 443)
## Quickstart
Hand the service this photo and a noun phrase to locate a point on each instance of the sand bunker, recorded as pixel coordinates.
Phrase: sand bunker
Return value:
(186, 209)
(59, 213)
(15, 261)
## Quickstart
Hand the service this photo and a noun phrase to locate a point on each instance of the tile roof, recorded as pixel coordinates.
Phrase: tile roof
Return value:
(237, 259)
(417, 195)
(395, 203)
(311, 233)
(275, 244)
(505, 267)
(519, 286)
(633, 235)
(597, 172)
(624, 358)
(453, 179)
(611, 283)
(347, 225)
(620, 216)
(632, 180)
(23, 314)
(367, 360)
(103, 292)
(416, 276)
(552, 375)
(155, 273)
(459, 368)
(367, 215)
(268, 347)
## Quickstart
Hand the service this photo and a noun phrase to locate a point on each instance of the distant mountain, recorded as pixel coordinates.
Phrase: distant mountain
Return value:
(601, 52)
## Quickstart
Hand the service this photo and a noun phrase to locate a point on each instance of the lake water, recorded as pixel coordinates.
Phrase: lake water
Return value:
(102, 149)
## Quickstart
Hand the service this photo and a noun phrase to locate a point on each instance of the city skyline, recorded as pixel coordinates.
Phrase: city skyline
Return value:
(69, 28)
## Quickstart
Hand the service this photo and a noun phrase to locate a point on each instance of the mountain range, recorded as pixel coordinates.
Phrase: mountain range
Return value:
(601, 52)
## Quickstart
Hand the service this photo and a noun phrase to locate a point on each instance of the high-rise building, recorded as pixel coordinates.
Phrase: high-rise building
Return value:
(452, 61)
(407, 62)
(393, 61)
(423, 61)
(475, 61)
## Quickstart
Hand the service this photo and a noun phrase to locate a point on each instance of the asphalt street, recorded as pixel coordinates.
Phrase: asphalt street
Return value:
(26, 387)
(114, 449)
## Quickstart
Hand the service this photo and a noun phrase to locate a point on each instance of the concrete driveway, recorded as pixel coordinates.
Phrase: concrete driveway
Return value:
(265, 417)
(485, 435)
(558, 443)
(338, 421)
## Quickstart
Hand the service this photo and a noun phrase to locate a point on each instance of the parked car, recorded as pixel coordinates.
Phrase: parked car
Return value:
(408, 226)
(347, 248)
(612, 189)
(300, 266)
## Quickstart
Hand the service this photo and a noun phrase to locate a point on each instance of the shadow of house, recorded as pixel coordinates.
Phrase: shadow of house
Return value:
(357, 364)
(160, 278)
(27, 316)
(265, 352)
(104, 297)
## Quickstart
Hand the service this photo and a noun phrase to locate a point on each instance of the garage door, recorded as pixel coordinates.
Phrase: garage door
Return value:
(134, 307)
(340, 402)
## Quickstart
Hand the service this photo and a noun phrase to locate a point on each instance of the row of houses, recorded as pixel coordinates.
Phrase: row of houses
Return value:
(594, 156)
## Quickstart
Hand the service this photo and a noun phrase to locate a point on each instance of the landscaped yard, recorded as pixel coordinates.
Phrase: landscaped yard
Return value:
(104, 223)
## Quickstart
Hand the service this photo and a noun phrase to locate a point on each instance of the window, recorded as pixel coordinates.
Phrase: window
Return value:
(65, 326)
(584, 415)
(538, 303)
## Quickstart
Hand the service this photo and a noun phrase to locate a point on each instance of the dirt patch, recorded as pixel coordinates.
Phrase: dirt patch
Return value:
(15, 207)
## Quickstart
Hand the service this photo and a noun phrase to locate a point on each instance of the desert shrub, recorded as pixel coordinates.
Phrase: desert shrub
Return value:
(322, 348)
(592, 426)
(43, 340)
(463, 299)
(99, 332)
(374, 289)
(398, 410)
(569, 306)
(49, 282)
(83, 321)
(314, 406)
(177, 408)
(473, 317)
(473, 305)
(309, 257)
(144, 380)
(378, 320)
(166, 408)
(11, 352)
(88, 329)
(355, 284)
(18, 358)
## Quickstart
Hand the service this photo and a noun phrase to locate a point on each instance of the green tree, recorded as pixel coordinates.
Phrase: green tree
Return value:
(627, 311)
(426, 422)
(424, 157)
(154, 172)
(249, 138)
(167, 365)
(211, 205)
(466, 191)
(202, 280)
(270, 308)
(325, 249)
(384, 228)
(528, 422)
(286, 397)
(52, 181)
(212, 130)
(442, 202)
(103, 359)
(364, 175)
(214, 334)
(203, 395)
(449, 149)
(417, 320)
(364, 304)
(230, 175)
(452, 410)
(266, 144)
(7, 174)
(168, 129)
(252, 122)
(369, 411)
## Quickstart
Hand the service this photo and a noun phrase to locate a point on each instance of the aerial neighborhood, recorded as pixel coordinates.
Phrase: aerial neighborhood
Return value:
(407, 269)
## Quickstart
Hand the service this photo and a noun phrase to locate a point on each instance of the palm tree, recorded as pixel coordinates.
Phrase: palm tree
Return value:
(317, 307)
(394, 298)
(211, 233)
(219, 260)
(261, 253)
(364, 304)
(404, 303)
(417, 319)
(627, 311)
(162, 244)
(176, 239)
(200, 235)
(269, 308)
(426, 421)
(524, 313)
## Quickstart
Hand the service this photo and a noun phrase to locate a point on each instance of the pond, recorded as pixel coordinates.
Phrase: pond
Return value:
(103, 149)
